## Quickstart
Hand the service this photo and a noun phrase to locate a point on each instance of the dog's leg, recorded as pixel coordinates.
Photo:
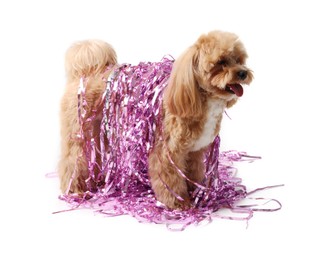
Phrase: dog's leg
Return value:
(166, 182)
(72, 166)
(195, 168)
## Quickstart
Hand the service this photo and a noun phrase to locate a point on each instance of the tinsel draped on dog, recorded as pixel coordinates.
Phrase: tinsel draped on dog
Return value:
(148, 134)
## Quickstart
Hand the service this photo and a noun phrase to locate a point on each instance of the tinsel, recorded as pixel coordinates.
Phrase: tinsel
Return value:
(119, 184)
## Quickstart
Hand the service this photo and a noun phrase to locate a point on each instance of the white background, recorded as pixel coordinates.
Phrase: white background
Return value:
(278, 118)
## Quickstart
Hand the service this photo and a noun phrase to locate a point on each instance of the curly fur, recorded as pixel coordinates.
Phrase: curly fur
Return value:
(193, 104)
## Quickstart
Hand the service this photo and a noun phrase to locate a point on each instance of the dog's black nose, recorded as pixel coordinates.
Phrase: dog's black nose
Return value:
(242, 74)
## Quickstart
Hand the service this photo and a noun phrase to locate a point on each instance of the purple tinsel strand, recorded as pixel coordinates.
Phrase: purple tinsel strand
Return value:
(131, 114)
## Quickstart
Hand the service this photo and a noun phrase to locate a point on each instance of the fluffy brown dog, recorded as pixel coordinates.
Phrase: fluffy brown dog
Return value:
(205, 80)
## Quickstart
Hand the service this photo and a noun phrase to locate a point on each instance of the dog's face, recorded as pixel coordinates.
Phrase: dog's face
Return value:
(213, 67)
(220, 65)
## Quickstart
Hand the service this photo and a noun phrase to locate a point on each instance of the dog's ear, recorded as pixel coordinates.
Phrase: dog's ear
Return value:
(182, 97)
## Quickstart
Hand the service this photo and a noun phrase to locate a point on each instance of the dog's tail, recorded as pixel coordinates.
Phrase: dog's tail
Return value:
(88, 57)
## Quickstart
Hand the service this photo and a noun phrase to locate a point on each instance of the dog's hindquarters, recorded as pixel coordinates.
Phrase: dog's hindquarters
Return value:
(86, 59)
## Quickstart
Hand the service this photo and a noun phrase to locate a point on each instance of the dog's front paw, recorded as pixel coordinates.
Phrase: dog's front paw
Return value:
(171, 202)
(182, 205)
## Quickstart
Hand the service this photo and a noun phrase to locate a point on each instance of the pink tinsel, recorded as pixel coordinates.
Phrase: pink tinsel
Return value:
(132, 111)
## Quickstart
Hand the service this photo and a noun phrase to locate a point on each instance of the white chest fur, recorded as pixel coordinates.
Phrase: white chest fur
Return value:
(215, 110)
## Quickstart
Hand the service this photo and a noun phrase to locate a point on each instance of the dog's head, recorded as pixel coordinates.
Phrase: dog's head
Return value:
(213, 67)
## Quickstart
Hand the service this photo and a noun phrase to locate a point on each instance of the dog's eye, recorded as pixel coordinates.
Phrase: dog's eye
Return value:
(222, 62)
(240, 60)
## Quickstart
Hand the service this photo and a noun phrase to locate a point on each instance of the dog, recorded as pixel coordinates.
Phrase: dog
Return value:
(205, 80)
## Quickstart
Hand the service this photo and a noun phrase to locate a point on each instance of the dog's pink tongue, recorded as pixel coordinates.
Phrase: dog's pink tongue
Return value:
(237, 89)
